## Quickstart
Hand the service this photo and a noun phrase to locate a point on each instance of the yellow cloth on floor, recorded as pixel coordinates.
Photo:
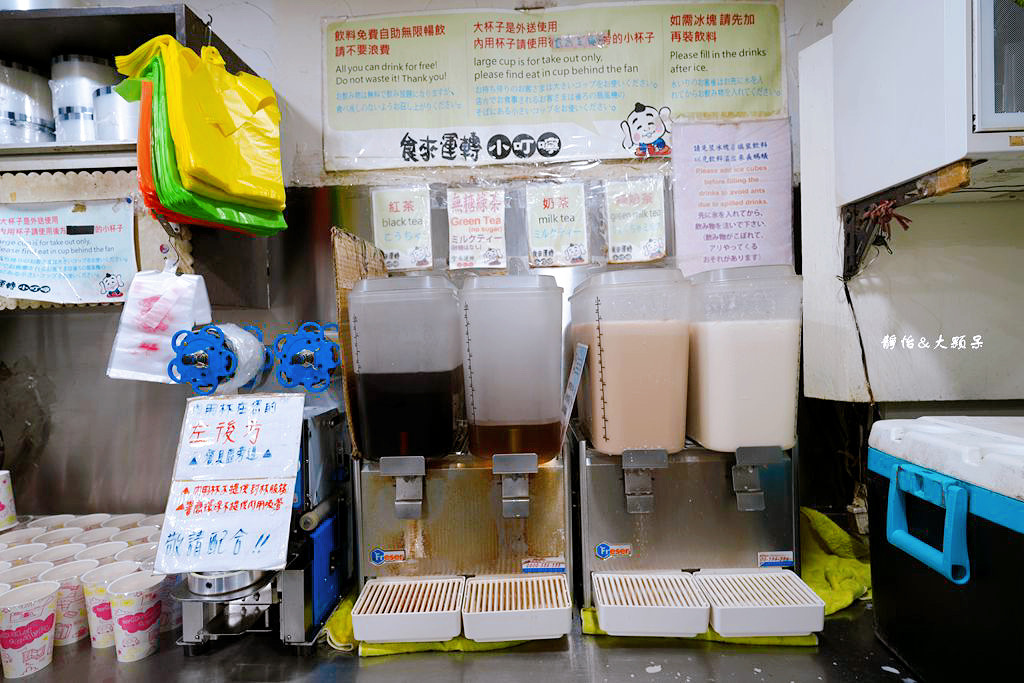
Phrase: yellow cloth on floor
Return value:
(340, 636)
(591, 627)
(833, 563)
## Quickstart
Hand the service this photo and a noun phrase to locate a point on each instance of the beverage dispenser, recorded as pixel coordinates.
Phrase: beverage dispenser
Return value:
(512, 350)
(408, 365)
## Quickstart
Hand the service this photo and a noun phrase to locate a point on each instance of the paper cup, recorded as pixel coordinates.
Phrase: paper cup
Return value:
(50, 522)
(136, 535)
(8, 515)
(143, 552)
(124, 521)
(72, 623)
(4, 588)
(15, 577)
(3, 546)
(58, 536)
(96, 536)
(19, 554)
(104, 552)
(5, 565)
(92, 521)
(170, 612)
(20, 536)
(152, 520)
(97, 602)
(28, 616)
(154, 537)
(58, 554)
(135, 608)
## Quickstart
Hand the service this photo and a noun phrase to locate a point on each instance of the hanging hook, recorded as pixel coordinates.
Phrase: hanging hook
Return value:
(173, 233)
(209, 33)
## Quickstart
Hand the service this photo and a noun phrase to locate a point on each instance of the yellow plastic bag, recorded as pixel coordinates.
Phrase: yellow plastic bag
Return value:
(225, 127)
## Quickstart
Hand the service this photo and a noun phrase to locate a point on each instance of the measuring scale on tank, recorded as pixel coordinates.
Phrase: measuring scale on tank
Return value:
(463, 540)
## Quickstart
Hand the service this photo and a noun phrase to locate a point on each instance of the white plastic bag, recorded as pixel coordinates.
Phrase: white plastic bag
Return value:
(159, 303)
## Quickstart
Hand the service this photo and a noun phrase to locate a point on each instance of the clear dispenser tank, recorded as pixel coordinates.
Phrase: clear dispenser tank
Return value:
(407, 359)
(636, 325)
(512, 351)
(745, 358)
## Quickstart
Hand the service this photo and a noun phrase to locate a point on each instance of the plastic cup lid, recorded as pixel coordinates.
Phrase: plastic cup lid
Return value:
(81, 58)
(632, 276)
(403, 283)
(508, 282)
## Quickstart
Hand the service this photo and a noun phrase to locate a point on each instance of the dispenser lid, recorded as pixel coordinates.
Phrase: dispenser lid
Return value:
(630, 276)
(743, 273)
(510, 282)
(403, 283)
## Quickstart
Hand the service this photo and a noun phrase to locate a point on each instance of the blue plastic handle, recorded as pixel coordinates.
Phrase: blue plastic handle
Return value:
(952, 561)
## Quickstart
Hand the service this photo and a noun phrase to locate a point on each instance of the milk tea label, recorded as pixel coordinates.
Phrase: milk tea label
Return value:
(635, 211)
(401, 227)
(556, 224)
(476, 229)
(607, 551)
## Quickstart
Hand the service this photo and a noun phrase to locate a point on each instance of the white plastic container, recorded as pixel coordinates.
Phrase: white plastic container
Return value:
(116, 118)
(407, 358)
(512, 356)
(76, 126)
(744, 358)
(635, 324)
(407, 610)
(74, 78)
(24, 91)
(765, 602)
(500, 608)
(663, 604)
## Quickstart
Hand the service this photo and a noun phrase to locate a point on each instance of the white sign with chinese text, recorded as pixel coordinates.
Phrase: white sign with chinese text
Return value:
(68, 252)
(636, 219)
(733, 195)
(476, 229)
(556, 223)
(230, 503)
(401, 227)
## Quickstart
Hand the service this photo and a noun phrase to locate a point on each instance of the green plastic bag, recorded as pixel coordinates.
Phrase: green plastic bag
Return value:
(174, 196)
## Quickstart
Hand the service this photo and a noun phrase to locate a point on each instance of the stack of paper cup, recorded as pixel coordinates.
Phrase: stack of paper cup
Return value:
(24, 574)
(116, 117)
(17, 129)
(135, 608)
(93, 521)
(76, 126)
(8, 515)
(19, 554)
(28, 616)
(136, 535)
(26, 114)
(58, 554)
(143, 552)
(104, 552)
(96, 536)
(58, 536)
(20, 536)
(72, 623)
(73, 79)
(97, 602)
(50, 522)
(170, 616)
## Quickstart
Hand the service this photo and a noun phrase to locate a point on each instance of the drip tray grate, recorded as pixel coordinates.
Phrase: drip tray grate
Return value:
(650, 604)
(500, 608)
(761, 603)
(404, 610)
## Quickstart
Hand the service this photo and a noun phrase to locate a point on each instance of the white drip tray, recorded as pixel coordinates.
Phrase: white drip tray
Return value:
(532, 607)
(666, 604)
(767, 602)
(409, 610)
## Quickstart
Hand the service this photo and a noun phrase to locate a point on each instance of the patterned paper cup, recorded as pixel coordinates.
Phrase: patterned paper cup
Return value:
(50, 522)
(19, 554)
(124, 521)
(58, 536)
(152, 520)
(100, 534)
(8, 515)
(58, 554)
(72, 624)
(104, 552)
(144, 552)
(92, 521)
(97, 602)
(21, 536)
(170, 613)
(24, 574)
(27, 618)
(135, 608)
(136, 535)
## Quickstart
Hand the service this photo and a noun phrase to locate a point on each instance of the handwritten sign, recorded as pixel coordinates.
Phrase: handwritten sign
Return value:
(476, 228)
(556, 224)
(636, 219)
(68, 252)
(401, 227)
(230, 503)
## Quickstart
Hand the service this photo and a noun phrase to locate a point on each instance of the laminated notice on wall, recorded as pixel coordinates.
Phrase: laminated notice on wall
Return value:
(230, 502)
(476, 228)
(401, 227)
(733, 195)
(556, 224)
(68, 252)
(636, 219)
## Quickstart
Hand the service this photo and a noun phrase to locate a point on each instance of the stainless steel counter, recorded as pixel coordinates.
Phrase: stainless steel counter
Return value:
(848, 652)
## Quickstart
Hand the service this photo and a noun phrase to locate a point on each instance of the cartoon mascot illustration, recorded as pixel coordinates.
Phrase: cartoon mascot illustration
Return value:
(111, 286)
(645, 129)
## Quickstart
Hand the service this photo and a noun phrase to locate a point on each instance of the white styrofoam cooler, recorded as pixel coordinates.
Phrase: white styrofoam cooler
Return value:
(532, 607)
(668, 604)
(984, 451)
(409, 610)
(760, 602)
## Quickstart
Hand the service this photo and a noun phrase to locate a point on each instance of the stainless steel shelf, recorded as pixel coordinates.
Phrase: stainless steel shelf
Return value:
(48, 156)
